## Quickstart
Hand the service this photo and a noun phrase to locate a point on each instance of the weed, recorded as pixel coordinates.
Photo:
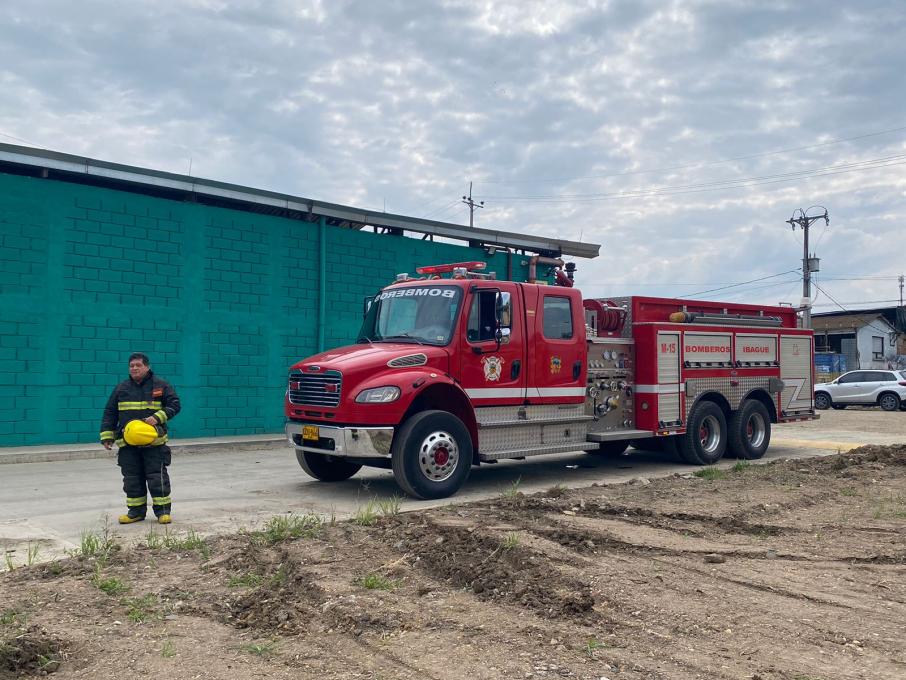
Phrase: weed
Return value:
(366, 515)
(512, 491)
(177, 543)
(891, 507)
(284, 527)
(260, 648)
(111, 586)
(168, 650)
(710, 473)
(390, 507)
(100, 546)
(47, 664)
(741, 466)
(8, 558)
(32, 554)
(12, 617)
(280, 576)
(848, 491)
(377, 582)
(556, 491)
(55, 568)
(510, 541)
(592, 646)
(248, 580)
(140, 609)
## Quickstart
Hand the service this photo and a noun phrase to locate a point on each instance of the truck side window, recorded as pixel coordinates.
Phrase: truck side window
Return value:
(482, 317)
(557, 317)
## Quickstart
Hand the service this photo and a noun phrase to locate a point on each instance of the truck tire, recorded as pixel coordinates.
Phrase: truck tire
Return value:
(705, 440)
(611, 448)
(749, 431)
(889, 401)
(432, 455)
(326, 468)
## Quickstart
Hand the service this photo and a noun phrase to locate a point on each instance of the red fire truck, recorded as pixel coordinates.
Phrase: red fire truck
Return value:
(455, 368)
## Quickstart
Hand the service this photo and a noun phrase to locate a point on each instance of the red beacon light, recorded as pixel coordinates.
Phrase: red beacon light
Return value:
(450, 268)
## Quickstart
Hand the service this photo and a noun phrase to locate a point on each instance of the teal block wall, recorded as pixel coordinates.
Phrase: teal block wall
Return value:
(223, 301)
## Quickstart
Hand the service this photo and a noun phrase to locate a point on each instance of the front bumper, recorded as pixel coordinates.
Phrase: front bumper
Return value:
(348, 442)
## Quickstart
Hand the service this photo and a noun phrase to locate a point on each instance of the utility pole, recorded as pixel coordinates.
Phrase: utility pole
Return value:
(472, 205)
(901, 290)
(809, 264)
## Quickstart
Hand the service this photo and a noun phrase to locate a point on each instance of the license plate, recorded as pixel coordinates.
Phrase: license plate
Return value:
(311, 432)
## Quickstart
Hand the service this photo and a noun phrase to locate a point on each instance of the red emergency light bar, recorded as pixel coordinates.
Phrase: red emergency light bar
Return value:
(448, 268)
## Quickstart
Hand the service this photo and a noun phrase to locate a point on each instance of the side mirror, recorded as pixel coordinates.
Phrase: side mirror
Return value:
(503, 308)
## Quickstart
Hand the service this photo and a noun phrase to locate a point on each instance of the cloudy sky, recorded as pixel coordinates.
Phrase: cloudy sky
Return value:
(678, 135)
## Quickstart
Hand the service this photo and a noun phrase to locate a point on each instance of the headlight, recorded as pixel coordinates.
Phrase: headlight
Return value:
(378, 395)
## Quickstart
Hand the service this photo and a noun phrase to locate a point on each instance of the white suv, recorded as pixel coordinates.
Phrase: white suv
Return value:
(886, 389)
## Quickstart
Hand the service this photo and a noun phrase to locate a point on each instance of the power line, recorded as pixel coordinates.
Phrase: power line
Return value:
(840, 305)
(732, 159)
(743, 283)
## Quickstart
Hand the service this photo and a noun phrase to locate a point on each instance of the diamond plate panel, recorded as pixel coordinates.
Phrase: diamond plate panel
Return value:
(498, 414)
(734, 393)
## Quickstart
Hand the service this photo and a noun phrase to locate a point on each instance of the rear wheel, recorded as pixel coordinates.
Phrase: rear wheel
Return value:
(432, 455)
(889, 401)
(326, 468)
(705, 440)
(822, 400)
(749, 431)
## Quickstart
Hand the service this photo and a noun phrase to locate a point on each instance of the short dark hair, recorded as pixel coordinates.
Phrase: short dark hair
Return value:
(142, 357)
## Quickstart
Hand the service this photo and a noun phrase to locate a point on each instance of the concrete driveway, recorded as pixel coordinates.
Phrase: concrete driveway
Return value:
(50, 504)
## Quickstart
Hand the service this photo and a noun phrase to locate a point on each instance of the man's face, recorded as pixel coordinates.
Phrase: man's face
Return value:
(138, 370)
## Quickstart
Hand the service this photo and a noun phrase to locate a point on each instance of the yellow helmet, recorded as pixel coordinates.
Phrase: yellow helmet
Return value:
(139, 433)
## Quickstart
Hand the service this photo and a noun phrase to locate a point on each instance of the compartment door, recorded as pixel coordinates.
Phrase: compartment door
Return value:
(796, 366)
(668, 376)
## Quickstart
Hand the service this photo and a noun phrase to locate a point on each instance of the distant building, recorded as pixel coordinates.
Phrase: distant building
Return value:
(869, 338)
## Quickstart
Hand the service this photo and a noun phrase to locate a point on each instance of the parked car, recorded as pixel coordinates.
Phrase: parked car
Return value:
(886, 389)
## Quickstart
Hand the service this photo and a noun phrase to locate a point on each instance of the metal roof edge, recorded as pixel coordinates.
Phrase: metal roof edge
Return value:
(116, 172)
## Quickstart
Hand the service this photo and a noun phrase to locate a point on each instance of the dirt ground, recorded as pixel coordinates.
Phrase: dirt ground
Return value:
(793, 570)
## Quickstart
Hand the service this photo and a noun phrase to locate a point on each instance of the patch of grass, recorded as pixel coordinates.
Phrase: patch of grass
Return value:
(377, 582)
(512, 491)
(891, 507)
(141, 609)
(592, 646)
(190, 542)
(168, 650)
(556, 491)
(281, 528)
(510, 541)
(8, 559)
(390, 507)
(848, 491)
(12, 617)
(248, 580)
(366, 515)
(710, 473)
(260, 648)
(741, 466)
(280, 577)
(97, 545)
(48, 664)
(111, 586)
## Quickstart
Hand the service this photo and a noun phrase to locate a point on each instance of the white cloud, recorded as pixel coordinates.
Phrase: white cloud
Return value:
(406, 102)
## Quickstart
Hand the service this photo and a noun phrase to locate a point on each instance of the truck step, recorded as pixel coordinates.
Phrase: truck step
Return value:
(524, 453)
(535, 421)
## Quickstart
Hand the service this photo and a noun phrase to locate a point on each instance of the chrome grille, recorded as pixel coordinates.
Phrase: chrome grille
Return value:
(312, 388)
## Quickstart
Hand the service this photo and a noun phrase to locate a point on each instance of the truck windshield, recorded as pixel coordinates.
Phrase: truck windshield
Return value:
(422, 315)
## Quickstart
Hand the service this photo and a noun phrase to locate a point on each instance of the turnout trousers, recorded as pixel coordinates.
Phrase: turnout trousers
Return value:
(144, 471)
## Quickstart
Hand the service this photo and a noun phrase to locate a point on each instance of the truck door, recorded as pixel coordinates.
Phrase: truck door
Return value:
(557, 351)
(493, 373)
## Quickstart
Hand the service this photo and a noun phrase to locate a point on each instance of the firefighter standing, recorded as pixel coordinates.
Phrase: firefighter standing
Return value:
(135, 418)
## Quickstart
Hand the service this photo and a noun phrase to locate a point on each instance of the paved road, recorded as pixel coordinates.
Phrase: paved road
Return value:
(51, 504)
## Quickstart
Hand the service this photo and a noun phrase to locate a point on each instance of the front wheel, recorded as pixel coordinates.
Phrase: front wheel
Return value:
(705, 440)
(432, 455)
(326, 468)
(750, 430)
(889, 401)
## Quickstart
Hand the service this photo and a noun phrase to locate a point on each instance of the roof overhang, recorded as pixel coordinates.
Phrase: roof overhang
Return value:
(62, 166)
